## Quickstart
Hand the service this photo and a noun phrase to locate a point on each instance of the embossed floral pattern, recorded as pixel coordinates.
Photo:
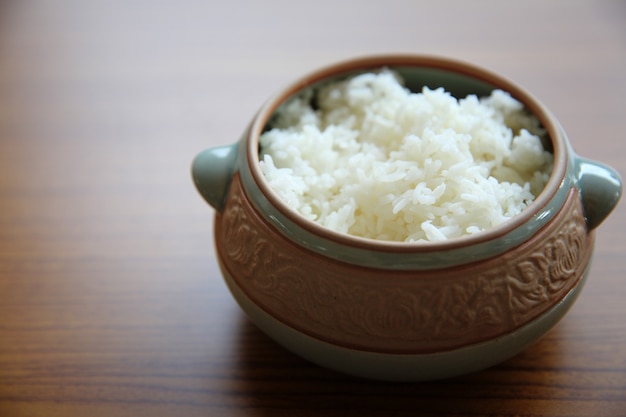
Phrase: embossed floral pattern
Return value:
(400, 311)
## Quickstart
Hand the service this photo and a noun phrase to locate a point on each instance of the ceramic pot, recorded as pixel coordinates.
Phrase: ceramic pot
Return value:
(396, 310)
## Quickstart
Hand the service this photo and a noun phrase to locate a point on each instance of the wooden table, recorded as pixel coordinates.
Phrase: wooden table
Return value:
(111, 302)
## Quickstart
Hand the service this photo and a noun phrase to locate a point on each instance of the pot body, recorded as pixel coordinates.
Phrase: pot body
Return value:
(400, 311)
(396, 310)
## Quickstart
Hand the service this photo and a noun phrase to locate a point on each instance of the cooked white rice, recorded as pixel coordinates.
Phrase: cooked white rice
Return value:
(378, 161)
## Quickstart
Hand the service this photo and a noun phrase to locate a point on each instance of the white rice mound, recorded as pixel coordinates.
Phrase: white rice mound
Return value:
(375, 160)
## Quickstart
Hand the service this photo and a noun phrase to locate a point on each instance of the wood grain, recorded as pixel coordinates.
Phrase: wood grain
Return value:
(111, 301)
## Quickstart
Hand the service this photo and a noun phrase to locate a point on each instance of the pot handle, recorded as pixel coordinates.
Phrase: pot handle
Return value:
(212, 171)
(600, 189)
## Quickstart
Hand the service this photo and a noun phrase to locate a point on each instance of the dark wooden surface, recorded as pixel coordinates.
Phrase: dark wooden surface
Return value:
(111, 302)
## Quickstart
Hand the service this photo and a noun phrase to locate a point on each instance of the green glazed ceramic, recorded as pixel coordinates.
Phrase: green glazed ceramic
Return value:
(396, 310)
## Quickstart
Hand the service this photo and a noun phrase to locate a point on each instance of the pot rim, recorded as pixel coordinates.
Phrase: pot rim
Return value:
(531, 103)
